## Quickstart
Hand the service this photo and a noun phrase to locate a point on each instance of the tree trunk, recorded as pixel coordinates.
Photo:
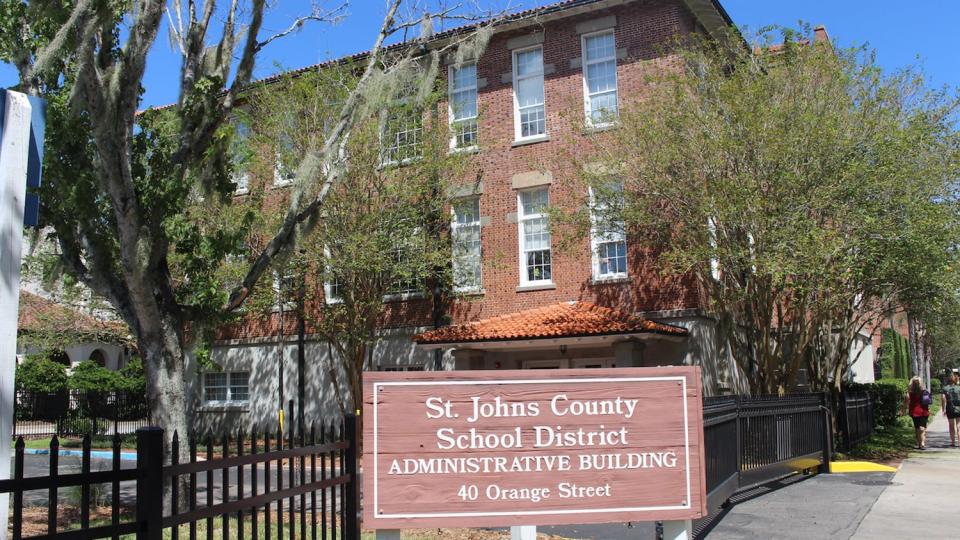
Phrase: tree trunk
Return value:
(167, 393)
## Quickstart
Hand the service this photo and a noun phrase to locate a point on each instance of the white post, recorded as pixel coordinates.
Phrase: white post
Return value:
(14, 149)
(388, 534)
(678, 530)
(523, 532)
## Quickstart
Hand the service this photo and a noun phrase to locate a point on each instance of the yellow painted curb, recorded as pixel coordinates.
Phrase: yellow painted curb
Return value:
(858, 466)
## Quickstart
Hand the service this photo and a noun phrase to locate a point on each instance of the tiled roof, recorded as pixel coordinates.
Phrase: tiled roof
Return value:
(39, 315)
(566, 319)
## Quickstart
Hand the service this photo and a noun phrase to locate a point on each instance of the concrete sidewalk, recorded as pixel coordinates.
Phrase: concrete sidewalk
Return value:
(922, 499)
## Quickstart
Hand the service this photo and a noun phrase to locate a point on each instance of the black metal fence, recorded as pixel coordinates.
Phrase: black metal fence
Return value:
(79, 412)
(301, 485)
(754, 440)
(855, 419)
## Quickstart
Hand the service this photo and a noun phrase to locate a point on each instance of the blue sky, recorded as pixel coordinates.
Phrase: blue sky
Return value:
(901, 32)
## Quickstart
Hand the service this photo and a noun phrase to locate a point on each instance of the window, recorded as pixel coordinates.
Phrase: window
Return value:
(600, 78)
(463, 106)
(607, 236)
(402, 136)
(408, 282)
(535, 261)
(284, 289)
(240, 155)
(530, 119)
(332, 286)
(226, 387)
(401, 368)
(466, 245)
(284, 170)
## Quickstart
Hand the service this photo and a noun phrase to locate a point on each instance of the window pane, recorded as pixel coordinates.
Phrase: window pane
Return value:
(603, 108)
(532, 122)
(538, 265)
(465, 77)
(601, 46)
(464, 104)
(613, 258)
(533, 202)
(215, 386)
(530, 92)
(536, 234)
(466, 244)
(530, 62)
(602, 77)
(239, 386)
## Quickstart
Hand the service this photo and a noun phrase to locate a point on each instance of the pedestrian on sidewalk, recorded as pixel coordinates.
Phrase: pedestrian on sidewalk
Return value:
(917, 402)
(950, 401)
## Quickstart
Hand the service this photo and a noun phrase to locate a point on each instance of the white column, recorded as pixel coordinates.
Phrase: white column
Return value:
(678, 530)
(388, 534)
(523, 532)
(14, 148)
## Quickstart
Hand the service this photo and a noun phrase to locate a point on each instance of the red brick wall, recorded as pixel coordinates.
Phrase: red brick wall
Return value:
(643, 28)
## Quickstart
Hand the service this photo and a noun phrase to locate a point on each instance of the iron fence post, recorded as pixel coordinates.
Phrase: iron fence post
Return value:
(827, 435)
(739, 443)
(351, 528)
(149, 483)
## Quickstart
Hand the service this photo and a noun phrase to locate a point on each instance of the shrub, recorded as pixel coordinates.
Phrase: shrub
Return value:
(90, 376)
(894, 355)
(39, 374)
(887, 397)
(935, 387)
(133, 377)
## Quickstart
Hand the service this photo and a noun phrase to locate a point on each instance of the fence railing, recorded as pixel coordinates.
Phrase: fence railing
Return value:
(855, 420)
(79, 412)
(301, 485)
(754, 440)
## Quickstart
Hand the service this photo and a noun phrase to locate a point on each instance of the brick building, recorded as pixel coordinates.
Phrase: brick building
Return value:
(519, 109)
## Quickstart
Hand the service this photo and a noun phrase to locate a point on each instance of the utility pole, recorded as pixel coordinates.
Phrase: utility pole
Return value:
(301, 356)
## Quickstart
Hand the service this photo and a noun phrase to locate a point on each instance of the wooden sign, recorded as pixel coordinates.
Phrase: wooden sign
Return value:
(532, 447)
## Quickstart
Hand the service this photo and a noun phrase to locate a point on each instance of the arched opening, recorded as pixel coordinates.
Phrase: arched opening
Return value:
(60, 356)
(99, 357)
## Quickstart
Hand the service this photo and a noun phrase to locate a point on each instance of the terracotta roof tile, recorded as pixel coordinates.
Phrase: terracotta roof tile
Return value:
(566, 319)
(41, 315)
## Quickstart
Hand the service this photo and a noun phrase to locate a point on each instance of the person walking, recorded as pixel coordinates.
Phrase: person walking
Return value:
(950, 401)
(917, 402)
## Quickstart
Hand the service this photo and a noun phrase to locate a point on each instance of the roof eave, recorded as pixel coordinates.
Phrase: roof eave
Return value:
(611, 337)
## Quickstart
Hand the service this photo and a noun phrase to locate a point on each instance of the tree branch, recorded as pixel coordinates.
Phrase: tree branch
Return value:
(49, 53)
(333, 16)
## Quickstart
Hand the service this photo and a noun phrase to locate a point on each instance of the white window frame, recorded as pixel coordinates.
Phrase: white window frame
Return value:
(228, 377)
(328, 296)
(517, 127)
(521, 218)
(400, 295)
(451, 90)
(278, 278)
(598, 237)
(242, 177)
(587, 62)
(386, 160)
(454, 227)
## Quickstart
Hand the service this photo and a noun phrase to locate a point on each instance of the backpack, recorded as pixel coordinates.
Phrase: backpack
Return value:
(953, 399)
(925, 398)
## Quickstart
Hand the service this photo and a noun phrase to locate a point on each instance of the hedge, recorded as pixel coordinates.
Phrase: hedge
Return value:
(887, 397)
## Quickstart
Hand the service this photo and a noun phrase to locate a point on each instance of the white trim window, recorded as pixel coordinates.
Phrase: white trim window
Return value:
(332, 286)
(226, 387)
(600, 78)
(284, 287)
(607, 237)
(529, 110)
(465, 232)
(240, 156)
(407, 285)
(463, 106)
(402, 136)
(536, 266)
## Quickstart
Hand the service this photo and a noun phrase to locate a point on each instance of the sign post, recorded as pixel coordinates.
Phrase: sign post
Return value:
(21, 144)
(529, 448)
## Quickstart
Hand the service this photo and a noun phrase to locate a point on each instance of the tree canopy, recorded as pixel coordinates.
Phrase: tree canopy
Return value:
(807, 191)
